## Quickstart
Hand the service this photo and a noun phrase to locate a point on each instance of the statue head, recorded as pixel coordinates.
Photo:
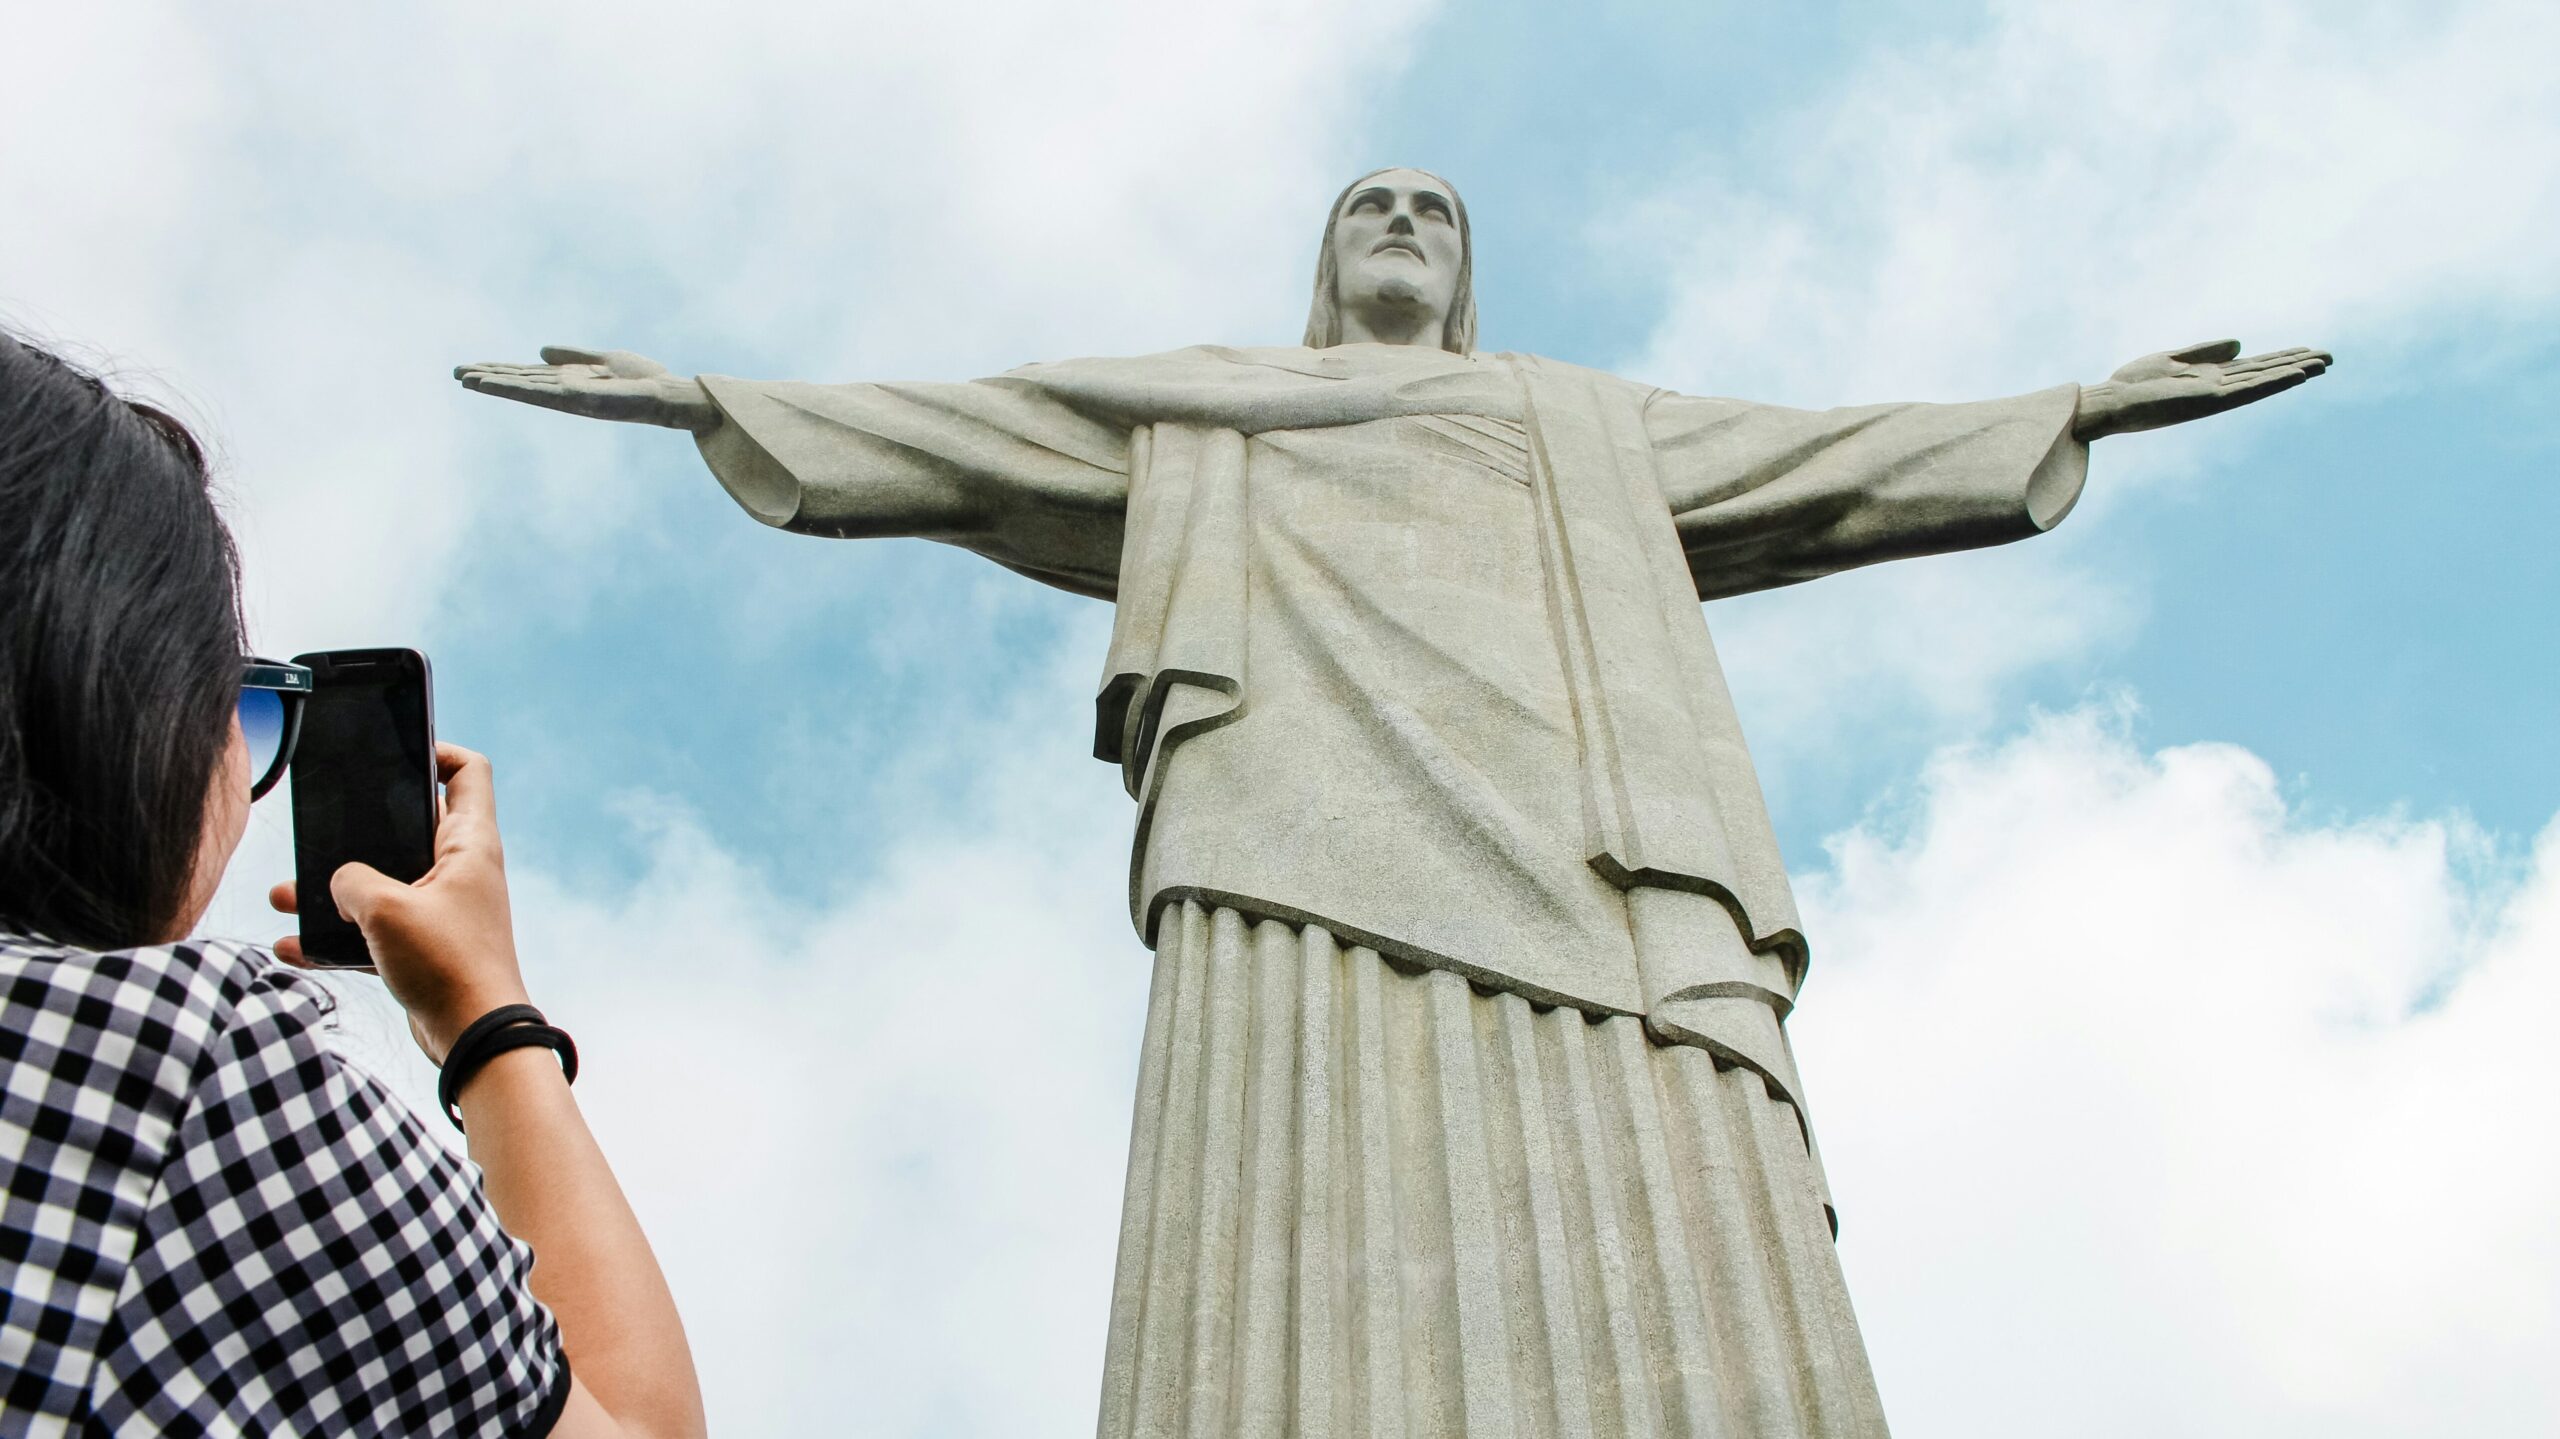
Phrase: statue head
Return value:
(1397, 265)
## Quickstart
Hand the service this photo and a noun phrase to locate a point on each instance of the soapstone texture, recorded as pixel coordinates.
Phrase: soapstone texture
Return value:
(1373, 1199)
(1466, 1106)
(1335, 686)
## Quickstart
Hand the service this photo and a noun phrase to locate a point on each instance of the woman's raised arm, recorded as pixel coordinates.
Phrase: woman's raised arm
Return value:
(446, 948)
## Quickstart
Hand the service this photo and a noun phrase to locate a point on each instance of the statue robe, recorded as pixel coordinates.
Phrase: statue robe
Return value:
(1408, 643)
(1431, 752)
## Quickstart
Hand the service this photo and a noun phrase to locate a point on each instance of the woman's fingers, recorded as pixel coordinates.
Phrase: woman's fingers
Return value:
(286, 900)
(361, 891)
(469, 789)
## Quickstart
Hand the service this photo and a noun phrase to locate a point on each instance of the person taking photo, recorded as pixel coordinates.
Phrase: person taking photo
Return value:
(210, 1222)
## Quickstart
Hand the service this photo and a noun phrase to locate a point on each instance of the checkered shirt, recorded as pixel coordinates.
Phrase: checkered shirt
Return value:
(211, 1224)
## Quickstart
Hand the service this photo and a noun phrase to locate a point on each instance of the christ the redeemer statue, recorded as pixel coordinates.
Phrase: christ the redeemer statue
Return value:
(1466, 1105)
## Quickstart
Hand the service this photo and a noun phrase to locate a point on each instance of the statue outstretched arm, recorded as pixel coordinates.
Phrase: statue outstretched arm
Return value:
(1765, 496)
(997, 466)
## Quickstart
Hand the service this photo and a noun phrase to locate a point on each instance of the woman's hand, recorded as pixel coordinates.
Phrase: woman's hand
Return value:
(446, 945)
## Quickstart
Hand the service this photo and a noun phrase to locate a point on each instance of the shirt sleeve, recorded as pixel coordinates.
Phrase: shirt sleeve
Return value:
(1765, 496)
(1003, 467)
(313, 1261)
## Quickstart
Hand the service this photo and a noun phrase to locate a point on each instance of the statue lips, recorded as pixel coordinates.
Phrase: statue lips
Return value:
(1399, 242)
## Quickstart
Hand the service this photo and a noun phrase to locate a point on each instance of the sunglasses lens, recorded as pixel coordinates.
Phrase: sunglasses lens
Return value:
(262, 724)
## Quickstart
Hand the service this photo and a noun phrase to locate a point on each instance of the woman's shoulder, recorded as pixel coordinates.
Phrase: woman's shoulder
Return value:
(154, 1011)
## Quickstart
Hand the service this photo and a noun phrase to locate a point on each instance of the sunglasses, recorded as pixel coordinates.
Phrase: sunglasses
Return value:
(271, 696)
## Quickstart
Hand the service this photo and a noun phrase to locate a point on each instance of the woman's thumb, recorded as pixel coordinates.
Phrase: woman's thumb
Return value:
(362, 891)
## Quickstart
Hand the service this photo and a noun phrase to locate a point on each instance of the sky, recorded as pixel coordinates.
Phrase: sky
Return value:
(2184, 885)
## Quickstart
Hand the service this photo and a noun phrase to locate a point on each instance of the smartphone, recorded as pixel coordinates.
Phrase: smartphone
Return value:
(364, 785)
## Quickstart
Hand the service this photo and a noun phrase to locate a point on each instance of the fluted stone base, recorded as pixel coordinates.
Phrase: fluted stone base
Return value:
(1370, 1200)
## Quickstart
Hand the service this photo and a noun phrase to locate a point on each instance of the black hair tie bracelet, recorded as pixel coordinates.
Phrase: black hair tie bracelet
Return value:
(508, 1027)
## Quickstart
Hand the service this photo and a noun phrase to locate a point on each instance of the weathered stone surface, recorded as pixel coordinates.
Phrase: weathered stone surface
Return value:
(1372, 1199)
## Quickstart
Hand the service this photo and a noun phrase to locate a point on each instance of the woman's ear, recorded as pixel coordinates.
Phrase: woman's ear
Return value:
(226, 819)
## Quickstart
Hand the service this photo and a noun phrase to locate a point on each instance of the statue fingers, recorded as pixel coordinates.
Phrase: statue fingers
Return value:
(2259, 384)
(2280, 381)
(2277, 359)
(497, 383)
(2260, 362)
(572, 355)
(2237, 379)
(2305, 366)
(493, 367)
(530, 389)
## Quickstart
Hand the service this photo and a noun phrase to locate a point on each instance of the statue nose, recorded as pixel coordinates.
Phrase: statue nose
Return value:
(1402, 224)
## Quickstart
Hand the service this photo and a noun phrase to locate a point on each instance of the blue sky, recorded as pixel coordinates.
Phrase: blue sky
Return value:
(2174, 877)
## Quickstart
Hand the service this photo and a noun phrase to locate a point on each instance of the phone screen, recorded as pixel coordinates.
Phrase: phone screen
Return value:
(363, 785)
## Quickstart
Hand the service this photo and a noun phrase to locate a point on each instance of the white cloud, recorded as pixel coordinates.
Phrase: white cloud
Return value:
(2077, 185)
(2073, 186)
(2153, 1108)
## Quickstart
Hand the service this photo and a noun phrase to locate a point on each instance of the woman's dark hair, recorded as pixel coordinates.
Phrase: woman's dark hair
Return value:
(119, 655)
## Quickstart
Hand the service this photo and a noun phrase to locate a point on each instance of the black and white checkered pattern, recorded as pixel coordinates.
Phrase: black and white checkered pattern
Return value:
(211, 1224)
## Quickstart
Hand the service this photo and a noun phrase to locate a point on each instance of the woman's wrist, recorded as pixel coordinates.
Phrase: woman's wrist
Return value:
(449, 1020)
(493, 1036)
(512, 1072)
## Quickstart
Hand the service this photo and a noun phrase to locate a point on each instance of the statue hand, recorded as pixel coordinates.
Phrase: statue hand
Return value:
(2176, 386)
(601, 385)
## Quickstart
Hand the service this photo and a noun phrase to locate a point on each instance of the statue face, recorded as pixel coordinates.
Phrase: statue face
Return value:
(1396, 249)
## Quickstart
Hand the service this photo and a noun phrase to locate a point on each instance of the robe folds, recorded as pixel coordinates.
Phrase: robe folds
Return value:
(1408, 644)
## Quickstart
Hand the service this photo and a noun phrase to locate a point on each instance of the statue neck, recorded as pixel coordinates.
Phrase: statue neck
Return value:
(1394, 327)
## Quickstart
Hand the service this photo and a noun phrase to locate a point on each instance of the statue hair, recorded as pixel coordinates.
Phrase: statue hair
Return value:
(1324, 317)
